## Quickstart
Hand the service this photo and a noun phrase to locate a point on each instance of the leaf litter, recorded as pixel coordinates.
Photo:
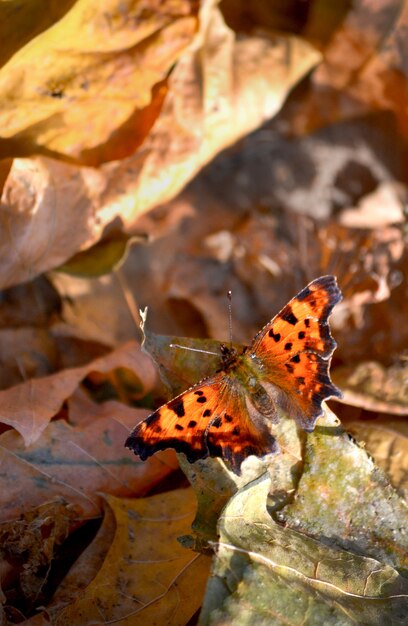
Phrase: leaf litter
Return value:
(313, 535)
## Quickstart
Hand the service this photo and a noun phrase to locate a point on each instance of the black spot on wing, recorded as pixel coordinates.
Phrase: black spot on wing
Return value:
(227, 418)
(150, 420)
(178, 407)
(295, 359)
(288, 346)
(179, 427)
(191, 424)
(288, 316)
(201, 399)
(276, 337)
(207, 413)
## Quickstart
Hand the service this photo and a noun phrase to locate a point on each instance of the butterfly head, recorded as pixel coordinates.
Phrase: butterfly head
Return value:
(229, 357)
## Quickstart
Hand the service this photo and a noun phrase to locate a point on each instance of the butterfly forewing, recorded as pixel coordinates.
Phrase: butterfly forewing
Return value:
(295, 349)
(210, 419)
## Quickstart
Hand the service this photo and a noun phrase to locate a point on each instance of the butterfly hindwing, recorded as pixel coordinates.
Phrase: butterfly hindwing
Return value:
(295, 349)
(210, 419)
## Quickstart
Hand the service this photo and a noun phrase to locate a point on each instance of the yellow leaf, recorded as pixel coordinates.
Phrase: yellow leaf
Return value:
(72, 86)
(147, 576)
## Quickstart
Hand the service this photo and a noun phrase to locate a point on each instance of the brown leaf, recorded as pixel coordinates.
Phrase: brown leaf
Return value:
(222, 87)
(85, 568)
(77, 463)
(94, 309)
(387, 441)
(25, 353)
(373, 387)
(30, 543)
(364, 68)
(28, 407)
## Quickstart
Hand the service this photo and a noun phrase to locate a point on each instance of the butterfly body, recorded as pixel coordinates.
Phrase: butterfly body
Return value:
(231, 414)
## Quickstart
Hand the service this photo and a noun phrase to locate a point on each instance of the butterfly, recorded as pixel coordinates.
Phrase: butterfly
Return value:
(231, 414)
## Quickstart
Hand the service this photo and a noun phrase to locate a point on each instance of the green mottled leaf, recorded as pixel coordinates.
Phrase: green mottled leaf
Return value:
(264, 573)
(344, 498)
(180, 368)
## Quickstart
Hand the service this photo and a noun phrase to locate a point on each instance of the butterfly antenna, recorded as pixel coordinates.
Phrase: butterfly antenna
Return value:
(230, 315)
(176, 345)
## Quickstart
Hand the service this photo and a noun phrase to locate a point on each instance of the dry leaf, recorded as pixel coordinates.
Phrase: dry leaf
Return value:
(343, 497)
(373, 387)
(26, 352)
(71, 89)
(95, 309)
(147, 576)
(222, 87)
(28, 407)
(31, 541)
(78, 463)
(85, 568)
(387, 441)
(364, 68)
(265, 573)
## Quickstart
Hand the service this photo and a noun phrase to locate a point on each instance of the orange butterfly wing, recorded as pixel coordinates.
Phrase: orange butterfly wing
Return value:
(210, 419)
(294, 350)
(218, 417)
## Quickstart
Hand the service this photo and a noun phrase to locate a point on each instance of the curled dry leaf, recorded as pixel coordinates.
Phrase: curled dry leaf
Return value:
(78, 463)
(31, 541)
(222, 87)
(94, 309)
(364, 68)
(147, 576)
(29, 407)
(371, 386)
